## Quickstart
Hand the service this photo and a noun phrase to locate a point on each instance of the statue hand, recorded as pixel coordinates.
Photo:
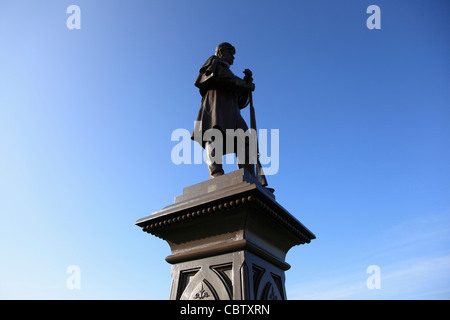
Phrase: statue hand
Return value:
(243, 84)
(248, 76)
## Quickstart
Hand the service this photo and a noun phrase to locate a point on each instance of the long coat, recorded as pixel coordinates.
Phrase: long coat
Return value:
(222, 99)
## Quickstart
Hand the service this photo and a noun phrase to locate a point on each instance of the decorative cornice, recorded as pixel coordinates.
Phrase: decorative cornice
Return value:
(156, 224)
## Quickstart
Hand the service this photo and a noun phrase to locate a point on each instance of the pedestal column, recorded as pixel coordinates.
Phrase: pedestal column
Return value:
(228, 238)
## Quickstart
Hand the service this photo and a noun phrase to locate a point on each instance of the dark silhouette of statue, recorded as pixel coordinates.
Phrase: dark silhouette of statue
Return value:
(223, 96)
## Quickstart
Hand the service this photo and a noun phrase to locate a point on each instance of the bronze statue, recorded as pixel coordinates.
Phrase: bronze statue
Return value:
(223, 95)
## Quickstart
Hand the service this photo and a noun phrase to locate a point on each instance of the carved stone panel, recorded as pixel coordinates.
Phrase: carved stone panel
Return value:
(209, 278)
(235, 276)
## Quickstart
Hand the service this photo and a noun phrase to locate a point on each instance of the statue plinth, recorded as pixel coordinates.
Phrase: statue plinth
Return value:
(229, 239)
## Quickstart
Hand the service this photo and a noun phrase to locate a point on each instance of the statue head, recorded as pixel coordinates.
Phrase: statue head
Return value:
(226, 52)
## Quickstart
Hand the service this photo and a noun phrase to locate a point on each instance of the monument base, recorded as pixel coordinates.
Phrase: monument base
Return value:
(229, 239)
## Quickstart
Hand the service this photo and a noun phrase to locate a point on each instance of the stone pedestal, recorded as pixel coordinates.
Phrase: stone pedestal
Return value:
(229, 239)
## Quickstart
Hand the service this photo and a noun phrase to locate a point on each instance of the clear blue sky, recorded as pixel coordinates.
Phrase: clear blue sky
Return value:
(86, 118)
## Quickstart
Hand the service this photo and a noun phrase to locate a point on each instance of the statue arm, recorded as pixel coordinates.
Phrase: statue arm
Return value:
(214, 74)
(243, 98)
(230, 80)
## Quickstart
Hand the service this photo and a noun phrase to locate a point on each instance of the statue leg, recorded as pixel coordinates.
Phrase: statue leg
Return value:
(245, 162)
(214, 167)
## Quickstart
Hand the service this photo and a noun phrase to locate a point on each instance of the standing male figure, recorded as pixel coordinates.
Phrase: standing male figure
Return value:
(223, 95)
